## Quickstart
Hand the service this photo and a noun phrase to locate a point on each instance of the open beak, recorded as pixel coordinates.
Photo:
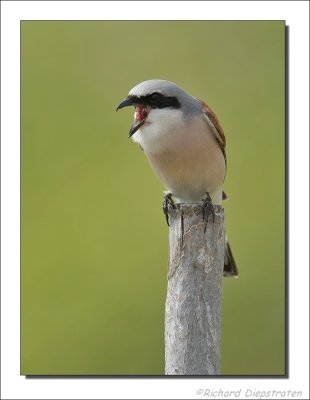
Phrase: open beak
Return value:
(140, 115)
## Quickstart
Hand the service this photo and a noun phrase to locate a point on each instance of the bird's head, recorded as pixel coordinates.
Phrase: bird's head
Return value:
(159, 104)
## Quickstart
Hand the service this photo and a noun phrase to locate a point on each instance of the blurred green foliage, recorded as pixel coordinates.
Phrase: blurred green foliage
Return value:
(94, 240)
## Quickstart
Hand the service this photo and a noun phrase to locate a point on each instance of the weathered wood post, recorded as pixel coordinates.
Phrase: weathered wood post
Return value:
(194, 294)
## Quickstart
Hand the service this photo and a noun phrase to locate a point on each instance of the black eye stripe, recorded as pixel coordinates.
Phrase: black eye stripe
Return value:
(155, 97)
(157, 100)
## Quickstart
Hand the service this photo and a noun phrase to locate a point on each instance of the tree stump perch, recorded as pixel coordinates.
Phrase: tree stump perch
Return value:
(194, 293)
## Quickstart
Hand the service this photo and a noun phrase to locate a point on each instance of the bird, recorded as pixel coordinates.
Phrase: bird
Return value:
(185, 145)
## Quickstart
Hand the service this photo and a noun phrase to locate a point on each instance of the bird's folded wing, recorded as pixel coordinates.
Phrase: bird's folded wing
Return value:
(214, 124)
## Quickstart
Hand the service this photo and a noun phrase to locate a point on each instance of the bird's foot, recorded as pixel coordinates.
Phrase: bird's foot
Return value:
(207, 210)
(168, 201)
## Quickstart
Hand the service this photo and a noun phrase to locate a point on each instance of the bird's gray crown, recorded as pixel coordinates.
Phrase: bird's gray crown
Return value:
(189, 104)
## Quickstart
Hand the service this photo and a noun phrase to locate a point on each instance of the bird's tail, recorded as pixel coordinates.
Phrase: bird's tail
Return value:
(230, 267)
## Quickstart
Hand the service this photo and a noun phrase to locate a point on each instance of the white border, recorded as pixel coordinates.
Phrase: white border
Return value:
(296, 15)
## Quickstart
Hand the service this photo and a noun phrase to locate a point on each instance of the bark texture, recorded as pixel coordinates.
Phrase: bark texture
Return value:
(194, 294)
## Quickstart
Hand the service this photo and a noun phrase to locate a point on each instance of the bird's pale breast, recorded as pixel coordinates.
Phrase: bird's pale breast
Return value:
(189, 162)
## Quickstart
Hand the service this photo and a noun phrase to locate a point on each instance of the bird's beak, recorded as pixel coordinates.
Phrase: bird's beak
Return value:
(141, 113)
(130, 101)
(135, 126)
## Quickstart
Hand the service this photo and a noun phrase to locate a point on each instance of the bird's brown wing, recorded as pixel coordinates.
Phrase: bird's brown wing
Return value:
(215, 125)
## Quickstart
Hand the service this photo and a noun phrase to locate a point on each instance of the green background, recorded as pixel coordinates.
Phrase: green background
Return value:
(94, 241)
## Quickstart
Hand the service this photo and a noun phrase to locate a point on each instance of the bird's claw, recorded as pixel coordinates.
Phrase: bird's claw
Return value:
(168, 201)
(207, 210)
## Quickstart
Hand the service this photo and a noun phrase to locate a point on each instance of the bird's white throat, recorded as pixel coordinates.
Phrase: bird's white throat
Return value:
(159, 128)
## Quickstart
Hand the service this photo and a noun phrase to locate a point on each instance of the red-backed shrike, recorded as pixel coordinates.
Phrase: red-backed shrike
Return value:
(185, 145)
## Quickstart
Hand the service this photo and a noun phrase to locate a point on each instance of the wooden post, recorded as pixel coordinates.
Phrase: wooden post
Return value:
(194, 294)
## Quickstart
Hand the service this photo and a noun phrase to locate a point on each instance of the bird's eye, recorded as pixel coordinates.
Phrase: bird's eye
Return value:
(155, 97)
